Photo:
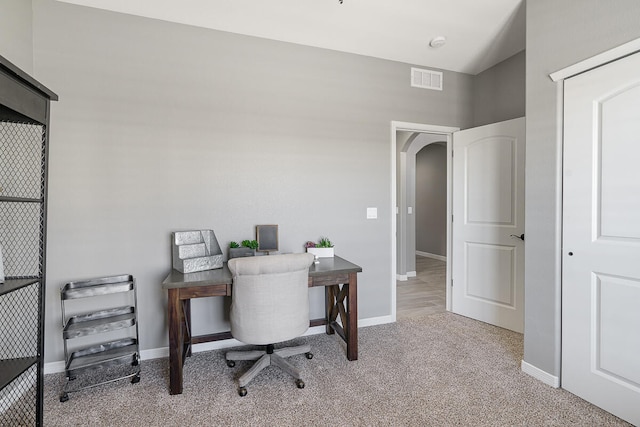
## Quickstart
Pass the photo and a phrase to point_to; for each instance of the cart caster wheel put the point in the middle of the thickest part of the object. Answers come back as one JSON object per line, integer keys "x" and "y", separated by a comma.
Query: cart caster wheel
{"x": 135, "y": 362}
{"x": 300, "y": 383}
{"x": 309, "y": 355}
{"x": 71, "y": 377}
{"x": 242, "y": 391}
{"x": 64, "y": 397}
{"x": 135, "y": 379}
{"x": 231, "y": 364}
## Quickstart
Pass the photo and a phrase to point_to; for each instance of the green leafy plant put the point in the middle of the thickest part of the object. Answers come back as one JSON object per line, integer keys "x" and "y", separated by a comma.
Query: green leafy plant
{"x": 234, "y": 245}
{"x": 251, "y": 244}
{"x": 324, "y": 242}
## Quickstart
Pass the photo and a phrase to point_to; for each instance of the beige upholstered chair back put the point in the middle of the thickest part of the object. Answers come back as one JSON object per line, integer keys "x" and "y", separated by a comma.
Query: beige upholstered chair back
{"x": 270, "y": 297}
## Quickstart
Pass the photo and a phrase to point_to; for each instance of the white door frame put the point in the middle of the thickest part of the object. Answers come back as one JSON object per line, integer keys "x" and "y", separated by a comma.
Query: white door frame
{"x": 559, "y": 77}
{"x": 600, "y": 284}
{"x": 424, "y": 128}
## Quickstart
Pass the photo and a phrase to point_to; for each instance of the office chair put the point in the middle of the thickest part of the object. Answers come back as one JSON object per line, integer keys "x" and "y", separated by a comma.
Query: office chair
{"x": 270, "y": 304}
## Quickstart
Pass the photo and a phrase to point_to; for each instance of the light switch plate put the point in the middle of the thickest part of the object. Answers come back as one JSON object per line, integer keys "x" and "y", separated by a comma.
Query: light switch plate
{"x": 372, "y": 213}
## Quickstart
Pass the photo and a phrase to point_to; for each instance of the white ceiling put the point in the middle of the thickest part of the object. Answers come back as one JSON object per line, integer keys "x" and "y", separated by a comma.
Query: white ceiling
{"x": 480, "y": 33}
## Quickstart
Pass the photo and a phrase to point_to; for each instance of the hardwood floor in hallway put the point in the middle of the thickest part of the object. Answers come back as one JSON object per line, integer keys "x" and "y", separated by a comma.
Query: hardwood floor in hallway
{"x": 424, "y": 294}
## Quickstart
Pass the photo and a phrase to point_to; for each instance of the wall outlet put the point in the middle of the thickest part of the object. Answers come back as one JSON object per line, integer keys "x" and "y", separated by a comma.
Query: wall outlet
{"x": 372, "y": 213}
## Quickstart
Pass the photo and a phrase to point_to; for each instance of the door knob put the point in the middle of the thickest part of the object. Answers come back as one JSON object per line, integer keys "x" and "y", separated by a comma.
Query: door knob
{"x": 515, "y": 236}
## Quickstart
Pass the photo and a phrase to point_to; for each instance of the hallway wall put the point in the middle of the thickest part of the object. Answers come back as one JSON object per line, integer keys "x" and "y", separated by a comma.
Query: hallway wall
{"x": 431, "y": 199}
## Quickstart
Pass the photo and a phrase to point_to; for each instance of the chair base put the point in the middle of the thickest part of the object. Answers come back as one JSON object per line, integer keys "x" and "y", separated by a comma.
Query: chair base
{"x": 266, "y": 358}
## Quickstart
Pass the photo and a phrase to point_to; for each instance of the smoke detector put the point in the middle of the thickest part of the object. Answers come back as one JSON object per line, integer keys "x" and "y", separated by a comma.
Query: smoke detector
{"x": 437, "y": 42}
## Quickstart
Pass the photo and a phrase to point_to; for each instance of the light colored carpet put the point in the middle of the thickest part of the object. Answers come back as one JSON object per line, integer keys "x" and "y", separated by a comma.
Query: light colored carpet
{"x": 439, "y": 370}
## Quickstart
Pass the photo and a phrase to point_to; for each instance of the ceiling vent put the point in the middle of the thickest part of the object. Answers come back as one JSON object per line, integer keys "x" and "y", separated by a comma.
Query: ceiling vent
{"x": 426, "y": 79}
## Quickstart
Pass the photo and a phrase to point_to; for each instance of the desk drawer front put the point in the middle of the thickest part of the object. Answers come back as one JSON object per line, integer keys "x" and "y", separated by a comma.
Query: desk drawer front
{"x": 335, "y": 279}
{"x": 203, "y": 291}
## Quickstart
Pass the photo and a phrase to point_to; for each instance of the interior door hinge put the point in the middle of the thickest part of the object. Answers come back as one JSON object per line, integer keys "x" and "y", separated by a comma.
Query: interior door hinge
{"x": 452, "y": 283}
{"x": 451, "y": 218}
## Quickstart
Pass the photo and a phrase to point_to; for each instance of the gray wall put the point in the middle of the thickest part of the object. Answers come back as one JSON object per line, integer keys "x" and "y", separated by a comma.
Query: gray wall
{"x": 431, "y": 199}
{"x": 16, "y": 40}
{"x": 164, "y": 127}
{"x": 499, "y": 92}
{"x": 559, "y": 33}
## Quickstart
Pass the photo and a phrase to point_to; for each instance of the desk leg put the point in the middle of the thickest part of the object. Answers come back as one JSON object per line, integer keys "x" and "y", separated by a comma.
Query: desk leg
{"x": 176, "y": 342}
{"x": 186, "y": 335}
{"x": 330, "y": 300}
{"x": 352, "y": 317}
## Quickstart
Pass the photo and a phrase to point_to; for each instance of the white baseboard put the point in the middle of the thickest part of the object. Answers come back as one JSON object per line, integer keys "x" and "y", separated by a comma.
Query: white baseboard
{"x": 430, "y": 255}
{"x": 539, "y": 374}
{"x": 401, "y": 277}
{"x": 156, "y": 353}
{"x": 54, "y": 367}
{"x": 373, "y": 321}
{"x": 411, "y": 274}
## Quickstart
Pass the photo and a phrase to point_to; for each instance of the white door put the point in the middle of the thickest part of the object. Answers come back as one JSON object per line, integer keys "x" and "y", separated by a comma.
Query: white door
{"x": 488, "y": 224}
{"x": 601, "y": 238}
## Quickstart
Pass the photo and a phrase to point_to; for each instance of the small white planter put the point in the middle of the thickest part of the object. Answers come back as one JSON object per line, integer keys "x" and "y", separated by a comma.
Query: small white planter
{"x": 321, "y": 252}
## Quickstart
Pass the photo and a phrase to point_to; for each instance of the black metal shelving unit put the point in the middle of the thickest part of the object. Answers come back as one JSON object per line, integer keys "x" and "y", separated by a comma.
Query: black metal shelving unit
{"x": 24, "y": 123}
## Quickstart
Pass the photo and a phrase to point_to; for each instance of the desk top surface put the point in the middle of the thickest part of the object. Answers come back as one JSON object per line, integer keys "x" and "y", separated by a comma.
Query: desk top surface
{"x": 333, "y": 265}
{"x": 222, "y": 276}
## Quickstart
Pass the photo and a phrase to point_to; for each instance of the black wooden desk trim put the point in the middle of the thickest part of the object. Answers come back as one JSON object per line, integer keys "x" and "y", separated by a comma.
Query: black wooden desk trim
{"x": 329, "y": 272}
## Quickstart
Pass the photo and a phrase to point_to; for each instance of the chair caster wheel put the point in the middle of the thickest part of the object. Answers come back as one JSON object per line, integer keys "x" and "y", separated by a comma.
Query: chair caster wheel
{"x": 309, "y": 355}
{"x": 64, "y": 397}
{"x": 231, "y": 364}
{"x": 242, "y": 391}
{"x": 300, "y": 383}
{"x": 135, "y": 379}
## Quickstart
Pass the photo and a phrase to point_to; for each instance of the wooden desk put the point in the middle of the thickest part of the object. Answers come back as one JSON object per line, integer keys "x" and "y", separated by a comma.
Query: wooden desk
{"x": 337, "y": 275}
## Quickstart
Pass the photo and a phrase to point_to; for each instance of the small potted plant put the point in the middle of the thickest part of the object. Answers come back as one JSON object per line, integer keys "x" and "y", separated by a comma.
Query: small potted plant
{"x": 321, "y": 249}
{"x": 245, "y": 248}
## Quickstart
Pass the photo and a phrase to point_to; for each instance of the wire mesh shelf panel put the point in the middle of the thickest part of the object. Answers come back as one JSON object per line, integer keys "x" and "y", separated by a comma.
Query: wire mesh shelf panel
{"x": 21, "y": 238}
{"x": 19, "y": 343}
{"x": 20, "y": 322}
{"x": 21, "y": 160}
{"x": 19, "y": 399}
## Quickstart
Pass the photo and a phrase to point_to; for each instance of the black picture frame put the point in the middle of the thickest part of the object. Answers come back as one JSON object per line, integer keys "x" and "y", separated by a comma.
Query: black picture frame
{"x": 267, "y": 237}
